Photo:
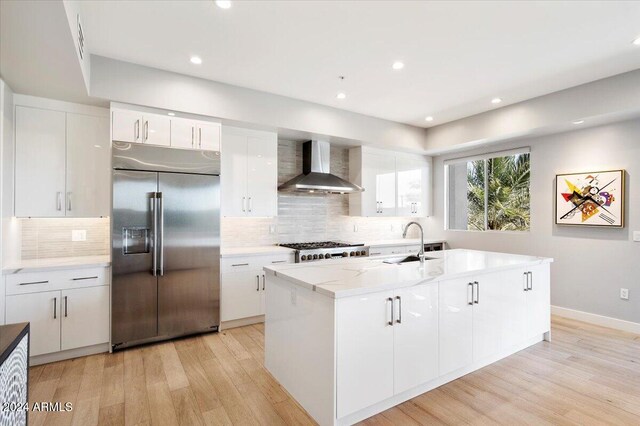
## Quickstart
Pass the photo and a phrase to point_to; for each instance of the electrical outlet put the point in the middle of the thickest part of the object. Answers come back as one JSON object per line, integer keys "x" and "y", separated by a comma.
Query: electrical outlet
{"x": 636, "y": 236}
{"x": 624, "y": 293}
{"x": 79, "y": 235}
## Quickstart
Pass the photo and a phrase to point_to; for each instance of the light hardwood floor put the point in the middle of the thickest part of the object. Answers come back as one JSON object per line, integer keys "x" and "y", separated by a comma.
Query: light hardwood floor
{"x": 586, "y": 376}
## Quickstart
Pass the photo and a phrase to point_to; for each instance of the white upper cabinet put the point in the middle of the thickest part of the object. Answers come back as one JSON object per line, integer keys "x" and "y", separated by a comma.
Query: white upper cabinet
{"x": 126, "y": 126}
{"x": 88, "y": 166}
{"x": 249, "y": 170}
{"x": 183, "y": 134}
{"x": 395, "y": 184}
{"x": 208, "y": 136}
{"x": 40, "y": 162}
{"x": 156, "y": 130}
{"x": 62, "y": 164}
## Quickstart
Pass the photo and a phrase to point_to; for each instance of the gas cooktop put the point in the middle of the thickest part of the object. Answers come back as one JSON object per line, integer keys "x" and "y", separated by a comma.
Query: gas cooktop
{"x": 326, "y": 250}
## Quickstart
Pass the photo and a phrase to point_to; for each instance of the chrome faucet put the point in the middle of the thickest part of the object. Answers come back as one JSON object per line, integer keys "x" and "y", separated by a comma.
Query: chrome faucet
{"x": 404, "y": 235}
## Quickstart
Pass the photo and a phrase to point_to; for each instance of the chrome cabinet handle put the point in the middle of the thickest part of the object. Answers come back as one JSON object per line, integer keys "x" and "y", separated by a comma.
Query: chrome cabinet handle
{"x": 85, "y": 278}
{"x": 66, "y": 307}
{"x": 146, "y": 130}
{"x": 470, "y": 302}
{"x": 249, "y": 204}
{"x": 240, "y": 264}
{"x": 399, "y": 299}
{"x": 257, "y": 282}
{"x": 59, "y": 200}
{"x": 477, "y": 284}
{"x": 55, "y": 308}
{"x": 263, "y": 281}
{"x": 69, "y": 201}
{"x": 34, "y": 282}
{"x": 530, "y": 280}
{"x": 244, "y": 204}
{"x": 154, "y": 231}
{"x": 391, "y": 302}
{"x": 161, "y": 256}
{"x": 193, "y": 131}
{"x": 525, "y": 281}
{"x": 136, "y": 128}
{"x": 200, "y": 137}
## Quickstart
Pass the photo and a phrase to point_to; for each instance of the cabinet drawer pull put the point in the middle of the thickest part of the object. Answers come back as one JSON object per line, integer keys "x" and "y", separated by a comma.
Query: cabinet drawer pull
{"x": 391, "y": 302}
{"x": 470, "y": 301}
{"x": 58, "y": 200}
{"x": 278, "y": 261}
{"x": 200, "y": 137}
{"x": 477, "y": 284}
{"x": 399, "y": 320}
{"x": 192, "y": 135}
{"x": 244, "y": 209}
{"x": 240, "y": 264}
{"x": 34, "y": 282}
{"x": 55, "y": 308}
{"x": 66, "y": 307}
{"x": 136, "y": 128}
{"x": 525, "y": 275}
{"x": 146, "y": 130}
{"x": 257, "y": 282}
{"x": 69, "y": 201}
{"x": 530, "y": 280}
{"x": 85, "y": 278}
{"x": 263, "y": 281}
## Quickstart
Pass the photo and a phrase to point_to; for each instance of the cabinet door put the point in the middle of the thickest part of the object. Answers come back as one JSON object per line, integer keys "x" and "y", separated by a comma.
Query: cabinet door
{"x": 415, "y": 336}
{"x": 412, "y": 186}
{"x": 42, "y": 310}
{"x": 234, "y": 175}
{"x": 488, "y": 315}
{"x": 85, "y": 317}
{"x": 539, "y": 301}
{"x": 365, "y": 351}
{"x": 126, "y": 126}
{"x": 262, "y": 172}
{"x": 241, "y": 295}
{"x": 382, "y": 177}
{"x": 88, "y": 166}
{"x": 514, "y": 304}
{"x": 40, "y": 162}
{"x": 156, "y": 130}
{"x": 369, "y": 202}
{"x": 455, "y": 341}
{"x": 183, "y": 133}
{"x": 209, "y": 136}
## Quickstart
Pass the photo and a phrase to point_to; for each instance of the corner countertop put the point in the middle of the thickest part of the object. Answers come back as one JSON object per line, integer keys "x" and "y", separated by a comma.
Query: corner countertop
{"x": 356, "y": 276}
{"x": 254, "y": 251}
{"x": 56, "y": 263}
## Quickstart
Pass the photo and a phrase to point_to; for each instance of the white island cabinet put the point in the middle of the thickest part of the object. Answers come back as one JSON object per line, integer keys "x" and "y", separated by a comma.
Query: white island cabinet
{"x": 351, "y": 338}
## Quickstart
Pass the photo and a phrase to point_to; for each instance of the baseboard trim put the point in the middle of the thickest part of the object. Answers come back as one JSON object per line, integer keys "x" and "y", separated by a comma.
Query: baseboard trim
{"x": 601, "y": 320}
{"x": 68, "y": 354}
{"x": 225, "y": 325}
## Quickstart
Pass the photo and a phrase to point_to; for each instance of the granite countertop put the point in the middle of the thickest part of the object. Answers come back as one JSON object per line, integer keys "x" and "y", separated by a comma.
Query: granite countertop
{"x": 355, "y": 276}
{"x": 254, "y": 251}
{"x": 56, "y": 263}
{"x": 10, "y": 336}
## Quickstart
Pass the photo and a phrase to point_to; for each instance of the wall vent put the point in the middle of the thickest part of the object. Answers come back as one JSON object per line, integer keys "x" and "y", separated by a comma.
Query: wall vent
{"x": 80, "y": 39}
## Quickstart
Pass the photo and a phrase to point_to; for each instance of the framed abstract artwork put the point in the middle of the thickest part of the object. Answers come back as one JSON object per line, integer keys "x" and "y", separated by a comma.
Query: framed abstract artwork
{"x": 590, "y": 199}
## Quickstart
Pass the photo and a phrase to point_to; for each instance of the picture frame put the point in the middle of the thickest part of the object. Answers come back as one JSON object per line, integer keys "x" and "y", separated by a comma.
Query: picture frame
{"x": 590, "y": 199}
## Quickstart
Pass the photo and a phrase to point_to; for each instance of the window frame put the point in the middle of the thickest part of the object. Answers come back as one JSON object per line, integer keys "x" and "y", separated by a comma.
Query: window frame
{"x": 484, "y": 157}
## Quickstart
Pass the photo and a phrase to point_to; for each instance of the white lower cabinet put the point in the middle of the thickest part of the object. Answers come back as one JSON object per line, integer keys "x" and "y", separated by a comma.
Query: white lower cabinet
{"x": 85, "y": 317}
{"x": 456, "y": 325}
{"x": 488, "y": 315}
{"x": 538, "y": 300}
{"x": 243, "y": 284}
{"x": 42, "y": 310}
{"x": 67, "y": 309}
{"x": 390, "y": 339}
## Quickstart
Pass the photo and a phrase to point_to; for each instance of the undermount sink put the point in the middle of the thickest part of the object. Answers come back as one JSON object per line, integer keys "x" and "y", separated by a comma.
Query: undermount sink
{"x": 405, "y": 259}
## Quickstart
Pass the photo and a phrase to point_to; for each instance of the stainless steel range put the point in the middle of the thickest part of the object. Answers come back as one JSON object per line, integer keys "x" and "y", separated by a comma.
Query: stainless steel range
{"x": 323, "y": 250}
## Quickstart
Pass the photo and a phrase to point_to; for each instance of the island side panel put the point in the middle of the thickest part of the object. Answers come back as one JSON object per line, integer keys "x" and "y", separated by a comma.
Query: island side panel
{"x": 300, "y": 345}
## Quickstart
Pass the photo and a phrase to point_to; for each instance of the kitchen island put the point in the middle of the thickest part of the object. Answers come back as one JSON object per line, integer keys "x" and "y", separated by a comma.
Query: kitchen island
{"x": 353, "y": 337}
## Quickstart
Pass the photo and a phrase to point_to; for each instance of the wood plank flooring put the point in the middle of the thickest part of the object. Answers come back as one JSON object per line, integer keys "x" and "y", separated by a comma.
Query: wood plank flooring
{"x": 588, "y": 375}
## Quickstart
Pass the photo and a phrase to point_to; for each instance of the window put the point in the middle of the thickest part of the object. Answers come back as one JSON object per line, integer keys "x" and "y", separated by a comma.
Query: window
{"x": 489, "y": 192}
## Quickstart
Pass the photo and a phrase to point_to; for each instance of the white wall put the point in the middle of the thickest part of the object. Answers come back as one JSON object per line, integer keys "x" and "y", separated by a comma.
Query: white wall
{"x": 607, "y": 100}
{"x": 591, "y": 265}
{"x": 135, "y": 84}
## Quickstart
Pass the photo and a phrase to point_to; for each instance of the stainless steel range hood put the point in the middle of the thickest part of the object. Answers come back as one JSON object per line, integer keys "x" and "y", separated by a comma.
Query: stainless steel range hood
{"x": 316, "y": 176}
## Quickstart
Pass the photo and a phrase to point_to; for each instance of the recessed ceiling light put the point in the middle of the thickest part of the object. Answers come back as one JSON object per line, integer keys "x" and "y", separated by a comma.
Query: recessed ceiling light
{"x": 578, "y": 122}
{"x": 496, "y": 100}
{"x": 196, "y": 60}
{"x": 637, "y": 41}
{"x": 429, "y": 118}
{"x": 171, "y": 113}
{"x": 223, "y": 4}
{"x": 397, "y": 65}
{"x": 341, "y": 95}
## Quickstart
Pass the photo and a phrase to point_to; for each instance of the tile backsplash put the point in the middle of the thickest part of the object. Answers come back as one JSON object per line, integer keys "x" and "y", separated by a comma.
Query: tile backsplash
{"x": 51, "y": 237}
{"x": 310, "y": 217}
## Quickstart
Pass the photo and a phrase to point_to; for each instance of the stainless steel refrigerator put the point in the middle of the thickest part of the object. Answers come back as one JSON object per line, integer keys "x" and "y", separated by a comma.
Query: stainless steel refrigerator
{"x": 165, "y": 243}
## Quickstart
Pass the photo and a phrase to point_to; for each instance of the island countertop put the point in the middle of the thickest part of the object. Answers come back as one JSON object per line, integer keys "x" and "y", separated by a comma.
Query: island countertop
{"x": 351, "y": 277}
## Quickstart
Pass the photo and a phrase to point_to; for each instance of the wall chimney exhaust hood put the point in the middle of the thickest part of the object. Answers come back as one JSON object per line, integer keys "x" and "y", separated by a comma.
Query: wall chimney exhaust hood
{"x": 315, "y": 175}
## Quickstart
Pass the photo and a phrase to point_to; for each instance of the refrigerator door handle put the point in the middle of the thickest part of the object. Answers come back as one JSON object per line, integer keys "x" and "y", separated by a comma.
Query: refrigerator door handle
{"x": 154, "y": 232}
{"x": 161, "y": 247}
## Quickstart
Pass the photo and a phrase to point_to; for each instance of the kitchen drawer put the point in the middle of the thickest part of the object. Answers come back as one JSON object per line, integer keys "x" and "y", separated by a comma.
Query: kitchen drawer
{"x": 386, "y": 251}
{"x": 33, "y": 282}
{"x": 250, "y": 263}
